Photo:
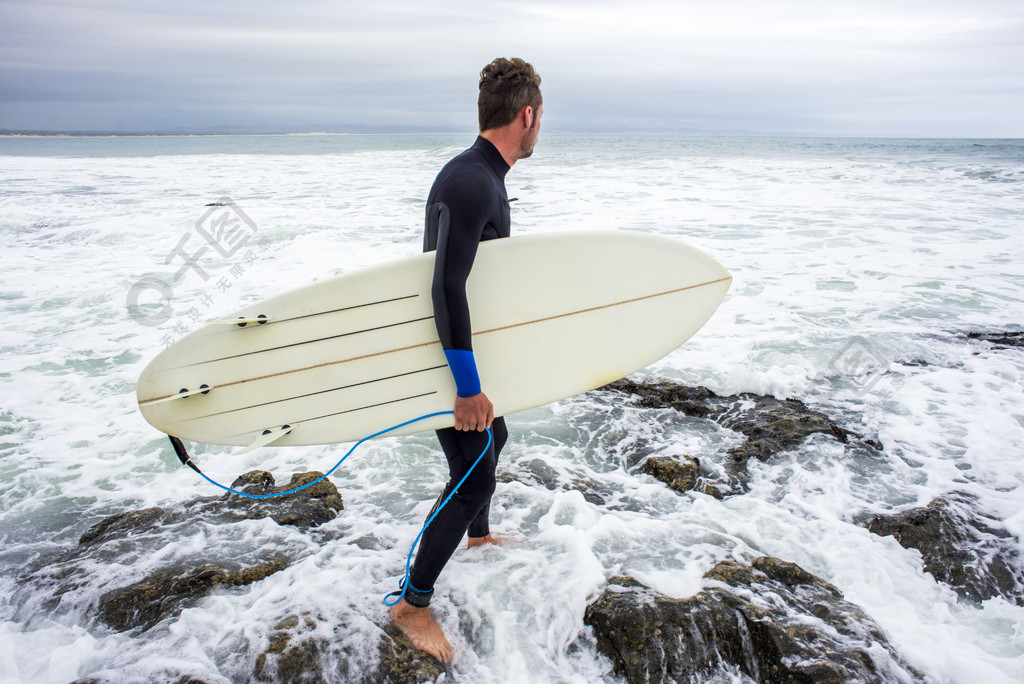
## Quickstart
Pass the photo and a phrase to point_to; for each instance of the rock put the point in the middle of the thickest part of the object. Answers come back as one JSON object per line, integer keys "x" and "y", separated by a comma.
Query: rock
{"x": 537, "y": 473}
{"x": 163, "y": 677}
{"x": 770, "y": 425}
{"x": 771, "y": 620}
{"x": 300, "y": 651}
{"x": 402, "y": 663}
{"x": 533, "y": 473}
{"x": 162, "y": 594}
{"x": 1004, "y": 340}
{"x": 120, "y": 524}
{"x": 291, "y": 658}
{"x": 976, "y": 557}
{"x": 680, "y": 475}
{"x": 310, "y": 507}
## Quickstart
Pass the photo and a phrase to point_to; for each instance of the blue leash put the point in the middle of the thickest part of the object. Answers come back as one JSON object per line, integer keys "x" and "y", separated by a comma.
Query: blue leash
{"x": 183, "y": 456}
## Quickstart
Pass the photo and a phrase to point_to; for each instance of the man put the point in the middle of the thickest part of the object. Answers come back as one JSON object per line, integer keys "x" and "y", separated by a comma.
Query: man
{"x": 468, "y": 203}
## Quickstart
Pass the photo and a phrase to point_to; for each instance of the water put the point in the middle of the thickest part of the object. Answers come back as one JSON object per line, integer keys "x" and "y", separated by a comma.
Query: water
{"x": 858, "y": 265}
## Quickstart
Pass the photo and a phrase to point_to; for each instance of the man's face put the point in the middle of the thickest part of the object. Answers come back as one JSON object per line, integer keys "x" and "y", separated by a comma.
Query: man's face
{"x": 530, "y": 139}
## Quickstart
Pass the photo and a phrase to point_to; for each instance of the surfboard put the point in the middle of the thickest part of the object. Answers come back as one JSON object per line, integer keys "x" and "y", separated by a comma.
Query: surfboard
{"x": 553, "y": 314}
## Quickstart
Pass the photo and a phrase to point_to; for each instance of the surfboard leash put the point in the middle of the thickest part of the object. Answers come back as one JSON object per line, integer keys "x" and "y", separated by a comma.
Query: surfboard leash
{"x": 182, "y": 453}
{"x": 186, "y": 459}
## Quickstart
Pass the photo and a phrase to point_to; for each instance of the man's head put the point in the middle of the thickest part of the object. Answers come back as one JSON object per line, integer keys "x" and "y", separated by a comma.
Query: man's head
{"x": 510, "y": 94}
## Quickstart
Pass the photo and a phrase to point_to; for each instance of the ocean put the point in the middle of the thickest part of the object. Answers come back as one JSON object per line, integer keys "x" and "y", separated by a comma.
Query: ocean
{"x": 860, "y": 269}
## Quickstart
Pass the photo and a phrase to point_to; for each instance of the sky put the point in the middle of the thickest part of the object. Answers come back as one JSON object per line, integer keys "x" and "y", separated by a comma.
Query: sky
{"x": 931, "y": 68}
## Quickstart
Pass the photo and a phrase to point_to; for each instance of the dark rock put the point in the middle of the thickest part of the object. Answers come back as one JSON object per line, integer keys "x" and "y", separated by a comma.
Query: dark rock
{"x": 290, "y": 657}
{"x": 771, "y": 620}
{"x": 770, "y": 425}
{"x": 976, "y": 557}
{"x": 256, "y": 482}
{"x": 161, "y": 677}
{"x": 403, "y": 663}
{"x": 680, "y": 475}
{"x": 533, "y": 473}
{"x": 310, "y": 507}
{"x": 162, "y": 594}
{"x": 1003, "y": 340}
{"x": 299, "y": 651}
{"x": 120, "y": 524}
{"x": 537, "y": 473}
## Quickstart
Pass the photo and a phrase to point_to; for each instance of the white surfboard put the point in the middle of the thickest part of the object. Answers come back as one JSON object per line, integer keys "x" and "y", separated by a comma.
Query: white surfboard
{"x": 553, "y": 315}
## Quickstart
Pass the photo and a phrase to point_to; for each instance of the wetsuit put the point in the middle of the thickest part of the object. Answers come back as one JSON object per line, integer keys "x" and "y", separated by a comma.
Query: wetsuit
{"x": 467, "y": 203}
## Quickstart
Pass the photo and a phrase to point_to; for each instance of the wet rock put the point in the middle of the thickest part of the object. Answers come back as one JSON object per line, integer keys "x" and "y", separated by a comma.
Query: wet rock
{"x": 533, "y": 473}
{"x": 537, "y": 473}
{"x": 301, "y": 650}
{"x": 290, "y": 657}
{"x": 999, "y": 340}
{"x": 593, "y": 492}
{"x": 680, "y": 475}
{"x": 771, "y": 620}
{"x": 402, "y": 663}
{"x": 121, "y": 524}
{"x": 310, "y": 507}
{"x": 157, "y": 677}
{"x": 770, "y": 425}
{"x": 162, "y": 594}
{"x": 975, "y": 556}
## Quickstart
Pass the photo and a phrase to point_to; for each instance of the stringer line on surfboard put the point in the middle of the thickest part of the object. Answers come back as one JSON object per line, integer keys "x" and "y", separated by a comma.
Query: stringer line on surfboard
{"x": 603, "y": 306}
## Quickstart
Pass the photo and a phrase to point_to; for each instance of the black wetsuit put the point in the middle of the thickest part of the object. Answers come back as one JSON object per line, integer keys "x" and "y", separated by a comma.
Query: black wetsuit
{"x": 467, "y": 204}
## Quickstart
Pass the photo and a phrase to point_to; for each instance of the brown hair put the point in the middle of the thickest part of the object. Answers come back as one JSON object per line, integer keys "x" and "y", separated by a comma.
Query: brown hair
{"x": 506, "y": 86}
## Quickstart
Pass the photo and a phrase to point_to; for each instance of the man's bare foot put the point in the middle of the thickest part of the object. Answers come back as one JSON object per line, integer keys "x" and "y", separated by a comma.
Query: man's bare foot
{"x": 421, "y": 628}
{"x": 489, "y": 539}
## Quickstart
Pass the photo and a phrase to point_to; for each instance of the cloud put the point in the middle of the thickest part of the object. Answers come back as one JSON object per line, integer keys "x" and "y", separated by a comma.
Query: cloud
{"x": 870, "y": 67}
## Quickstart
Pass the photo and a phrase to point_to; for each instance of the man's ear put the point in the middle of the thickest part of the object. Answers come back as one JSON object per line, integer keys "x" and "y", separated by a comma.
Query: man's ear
{"x": 527, "y": 116}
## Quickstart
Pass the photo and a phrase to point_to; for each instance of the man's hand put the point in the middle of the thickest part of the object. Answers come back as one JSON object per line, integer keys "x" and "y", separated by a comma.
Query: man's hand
{"x": 473, "y": 413}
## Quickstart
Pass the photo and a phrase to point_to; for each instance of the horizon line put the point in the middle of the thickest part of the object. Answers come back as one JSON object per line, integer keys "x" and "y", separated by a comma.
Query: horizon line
{"x": 399, "y": 130}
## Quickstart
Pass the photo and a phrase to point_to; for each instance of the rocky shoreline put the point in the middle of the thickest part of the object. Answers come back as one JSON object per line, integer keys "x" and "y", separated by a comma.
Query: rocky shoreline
{"x": 297, "y": 650}
{"x": 769, "y": 620}
{"x": 763, "y": 617}
{"x": 769, "y": 426}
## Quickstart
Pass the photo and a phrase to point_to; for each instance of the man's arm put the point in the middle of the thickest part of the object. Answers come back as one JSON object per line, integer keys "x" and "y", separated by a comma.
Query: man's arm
{"x": 460, "y": 221}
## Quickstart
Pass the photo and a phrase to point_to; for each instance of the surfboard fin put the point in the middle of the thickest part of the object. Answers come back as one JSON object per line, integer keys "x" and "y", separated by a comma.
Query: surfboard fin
{"x": 183, "y": 393}
{"x": 266, "y": 437}
{"x": 242, "y": 321}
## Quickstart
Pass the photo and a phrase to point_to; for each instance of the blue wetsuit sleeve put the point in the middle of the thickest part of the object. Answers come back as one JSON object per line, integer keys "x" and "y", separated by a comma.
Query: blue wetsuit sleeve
{"x": 463, "y": 366}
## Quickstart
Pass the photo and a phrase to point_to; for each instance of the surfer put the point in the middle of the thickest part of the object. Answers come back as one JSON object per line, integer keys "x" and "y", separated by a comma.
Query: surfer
{"x": 468, "y": 203}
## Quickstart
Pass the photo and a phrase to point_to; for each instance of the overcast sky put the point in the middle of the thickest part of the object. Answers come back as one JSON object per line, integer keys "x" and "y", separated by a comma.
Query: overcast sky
{"x": 830, "y": 67}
